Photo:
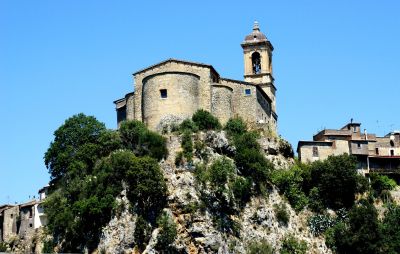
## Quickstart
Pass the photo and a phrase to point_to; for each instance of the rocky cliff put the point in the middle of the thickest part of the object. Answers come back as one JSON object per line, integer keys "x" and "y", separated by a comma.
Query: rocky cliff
{"x": 196, "y": 227}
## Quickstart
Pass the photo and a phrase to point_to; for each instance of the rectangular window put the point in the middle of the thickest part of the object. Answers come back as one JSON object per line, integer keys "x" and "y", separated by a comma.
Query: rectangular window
{"x": 315, "y": 151}
{"x": 358, "y": 145}
{"x": 163, "y": 93}
{"x": 391, "y": 152}
{"x": 354, "y": 129}
{"x": 377, "y": 151}
{"x": 247, "y": 91}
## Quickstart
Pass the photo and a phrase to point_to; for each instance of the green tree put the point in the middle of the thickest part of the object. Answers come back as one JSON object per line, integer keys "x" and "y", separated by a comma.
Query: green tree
{"x": 336, "y": 180}
{"x": 146, "y": 187}
{"x": 391, "y": 230}
{"x": 77, "y": 145}
{"x": 361, "y": 234}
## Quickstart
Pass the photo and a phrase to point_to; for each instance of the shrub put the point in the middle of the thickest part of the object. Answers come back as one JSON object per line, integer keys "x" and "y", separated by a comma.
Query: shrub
{"x": 187, "y": 145}
{"x": 200, "y": 150}
{"x": 3, "y": 247}
{"x": 142, "y": 232}
{"x": 167, "y": 233}
{"x": 315, "y": 203}
{"x": 381, "y": 183}
{"x": 260, "y": 247}
{"x": 235, "y": 126}
{"x": 291, "y": 245}
{"x": 136, "y": 137}
{"x": 220, "y": 171}
{"x": 281, "y": 214}
{"x": 179, "y": 159}
{"x": 241, "y": 189}
{"x": 205, "y": 121}
{"x": 188, "y": 125}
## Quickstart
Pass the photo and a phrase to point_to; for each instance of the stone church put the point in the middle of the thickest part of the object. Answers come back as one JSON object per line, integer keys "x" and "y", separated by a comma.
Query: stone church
{"x": 173, "y": 90}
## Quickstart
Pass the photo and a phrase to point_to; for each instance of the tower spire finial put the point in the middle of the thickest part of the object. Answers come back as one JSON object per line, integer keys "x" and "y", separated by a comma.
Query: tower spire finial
{"x": 256, "y": 27}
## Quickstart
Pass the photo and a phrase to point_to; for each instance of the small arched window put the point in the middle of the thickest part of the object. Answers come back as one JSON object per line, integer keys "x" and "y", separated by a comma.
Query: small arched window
{"x": 256, "y": 62}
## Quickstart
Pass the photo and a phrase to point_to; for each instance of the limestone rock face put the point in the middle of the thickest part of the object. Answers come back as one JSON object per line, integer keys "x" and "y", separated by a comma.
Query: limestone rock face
{"x": 118, "y": 234}
{"x": 196, "y": 227}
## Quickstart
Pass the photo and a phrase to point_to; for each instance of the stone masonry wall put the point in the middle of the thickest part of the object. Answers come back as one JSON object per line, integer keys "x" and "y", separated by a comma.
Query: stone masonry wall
{"x": 221, "y": 103}
{"x": 182, "y": 97}
{"x": 204, "y": 91}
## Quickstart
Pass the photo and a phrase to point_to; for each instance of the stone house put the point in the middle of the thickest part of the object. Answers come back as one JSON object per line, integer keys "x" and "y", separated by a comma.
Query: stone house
{"x": 173, "y": 90}
{"x": 374, "y": 154}
{"x": 21, "y": 221}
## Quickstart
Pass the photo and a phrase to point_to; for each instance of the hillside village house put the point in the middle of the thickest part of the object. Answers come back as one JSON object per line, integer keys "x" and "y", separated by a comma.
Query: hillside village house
{"x": 21, "y": 220}
{"x": 374, "y": 154}
{"x": 173, "y": 90}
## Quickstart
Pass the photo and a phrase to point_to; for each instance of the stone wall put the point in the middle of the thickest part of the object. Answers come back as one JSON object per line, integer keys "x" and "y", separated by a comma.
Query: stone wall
{"x": 182, "y": 96}
{"x": 10, "y": 223}
{"x": 26, "y": 228}
{"x": 221, "y": 102}
{"x": 204, "y": 88}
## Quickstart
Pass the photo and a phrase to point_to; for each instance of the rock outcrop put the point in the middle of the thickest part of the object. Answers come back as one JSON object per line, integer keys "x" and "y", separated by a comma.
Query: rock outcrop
{"x": 196, "y": 229}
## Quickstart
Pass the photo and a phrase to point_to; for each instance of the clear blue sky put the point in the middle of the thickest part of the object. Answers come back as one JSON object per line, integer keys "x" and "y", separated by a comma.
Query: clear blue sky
{"x": 333, "y": 60}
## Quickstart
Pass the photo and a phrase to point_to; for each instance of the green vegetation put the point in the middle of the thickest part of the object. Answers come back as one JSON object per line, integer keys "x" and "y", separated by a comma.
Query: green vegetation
{"x": 3, "y": 247}
{"x": 282, "y": 214}
{"x": 235, "y": 126}
{"x": 381, "y": 184}
{"x": 292, "y": 245}
{"x": 167, "y": 233}
{"x": 136, "y": 137}
{"x": 205, "y": 120}
{"x": 332, "y": 183}
{"x": 87, "y": 167}
{"x": 188, "y": 125}
{"x": 260, "y": 247}
{"x": 187, "y": 145}
{"x": 251, "y": 162}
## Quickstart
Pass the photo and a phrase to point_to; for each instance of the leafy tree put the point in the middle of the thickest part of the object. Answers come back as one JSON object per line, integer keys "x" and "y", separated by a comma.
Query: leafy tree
{"x": 360, "y": 234}
{"x": 77, "y": 145}
{"x": 205, "y": 120}
{"x": 391, "y": 230}
{"x": 146, "y": 187}
{"x": 336, "y": 180}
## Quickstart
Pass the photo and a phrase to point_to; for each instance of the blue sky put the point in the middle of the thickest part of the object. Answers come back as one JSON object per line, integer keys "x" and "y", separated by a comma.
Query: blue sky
{"x": 333, "y": 60}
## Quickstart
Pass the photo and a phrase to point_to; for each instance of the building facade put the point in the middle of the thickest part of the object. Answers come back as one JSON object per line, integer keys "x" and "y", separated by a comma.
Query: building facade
{"x": 22, "y": 220}
{"x": 174, "y": 90}
{"x": 376, "y": 154}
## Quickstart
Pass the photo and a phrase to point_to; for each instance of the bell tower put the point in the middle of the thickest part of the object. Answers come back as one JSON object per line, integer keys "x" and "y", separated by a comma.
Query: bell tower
{"x": 257, "y": 52}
